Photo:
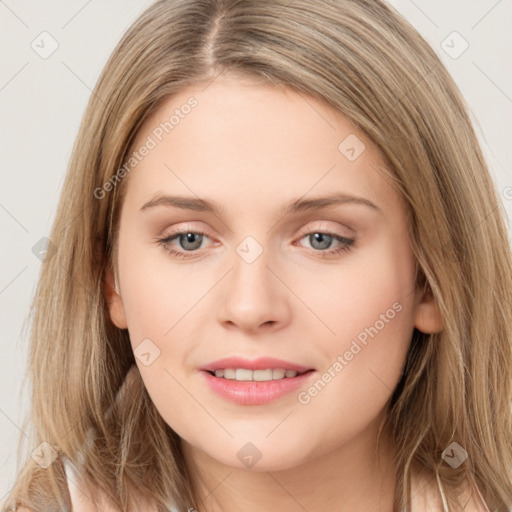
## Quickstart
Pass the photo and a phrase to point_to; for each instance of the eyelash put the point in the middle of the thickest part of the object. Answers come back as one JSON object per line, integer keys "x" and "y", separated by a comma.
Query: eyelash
{"x": 348, "y": 243}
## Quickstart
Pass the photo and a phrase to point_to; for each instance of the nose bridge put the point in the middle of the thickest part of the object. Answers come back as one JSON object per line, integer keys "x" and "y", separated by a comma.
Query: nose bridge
{"x": 252, "y": 296}
{"x": 251, "y": 275}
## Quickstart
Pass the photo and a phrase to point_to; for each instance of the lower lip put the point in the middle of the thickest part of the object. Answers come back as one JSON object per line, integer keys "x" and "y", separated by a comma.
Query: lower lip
{"x": 255, "y": 392}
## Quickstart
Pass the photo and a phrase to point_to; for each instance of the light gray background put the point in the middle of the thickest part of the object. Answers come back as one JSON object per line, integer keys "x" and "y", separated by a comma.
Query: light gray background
{"x": 42, "y": 102}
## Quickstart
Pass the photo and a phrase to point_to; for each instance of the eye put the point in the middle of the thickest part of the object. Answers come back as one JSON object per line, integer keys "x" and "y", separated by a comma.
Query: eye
{"x": 321, "y": 240}
{"x": 189, "y": 241}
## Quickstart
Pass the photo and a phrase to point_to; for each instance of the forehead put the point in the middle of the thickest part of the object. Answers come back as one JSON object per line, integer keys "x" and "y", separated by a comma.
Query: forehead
{"x": 236, "y": 139}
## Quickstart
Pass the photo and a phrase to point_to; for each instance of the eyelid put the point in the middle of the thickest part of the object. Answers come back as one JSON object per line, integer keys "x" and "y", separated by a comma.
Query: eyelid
{"x": 185, "y": 227}
{"x": 320, "y": 226}
{"x": 305, "y": 230}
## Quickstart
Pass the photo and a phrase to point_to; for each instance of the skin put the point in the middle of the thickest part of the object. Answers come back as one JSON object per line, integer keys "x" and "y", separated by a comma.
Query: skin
{"x": 254, "y": 148}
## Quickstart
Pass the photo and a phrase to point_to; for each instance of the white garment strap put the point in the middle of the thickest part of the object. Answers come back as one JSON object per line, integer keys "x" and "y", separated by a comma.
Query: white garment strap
{"x": 443, "y": 497}
{"x": 81, "y": 499}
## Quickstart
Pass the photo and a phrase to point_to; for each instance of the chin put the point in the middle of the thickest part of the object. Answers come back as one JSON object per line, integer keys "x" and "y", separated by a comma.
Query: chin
{"x": 258, "y": 458}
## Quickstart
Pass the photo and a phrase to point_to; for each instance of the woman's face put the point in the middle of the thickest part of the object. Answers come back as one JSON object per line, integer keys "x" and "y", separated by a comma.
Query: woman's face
{"x": 304, "y": 257}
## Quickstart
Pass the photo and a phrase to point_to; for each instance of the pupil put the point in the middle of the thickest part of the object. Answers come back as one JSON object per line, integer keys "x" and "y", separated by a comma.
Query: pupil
{"x": 323, "y": 239}
{"x": 189, "y": 238}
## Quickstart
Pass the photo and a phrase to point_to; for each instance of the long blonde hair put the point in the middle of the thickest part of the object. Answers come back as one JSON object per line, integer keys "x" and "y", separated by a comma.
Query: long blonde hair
{"x": 364, "y": 60}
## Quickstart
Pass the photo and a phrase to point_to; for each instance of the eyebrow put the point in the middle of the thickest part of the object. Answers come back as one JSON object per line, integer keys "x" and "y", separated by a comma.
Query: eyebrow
{"x": 295, "y": 206}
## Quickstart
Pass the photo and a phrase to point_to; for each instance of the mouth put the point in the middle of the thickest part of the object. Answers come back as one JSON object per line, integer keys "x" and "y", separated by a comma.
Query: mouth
{"x": 248, "y": 375}
{"x": 255, "y": 382}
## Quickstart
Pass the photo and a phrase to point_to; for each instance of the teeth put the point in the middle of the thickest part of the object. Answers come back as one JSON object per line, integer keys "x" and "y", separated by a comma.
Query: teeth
{"x": 243, "y": 374}
{"x": 229, "y": 373}
{"x": 278, "y": 373}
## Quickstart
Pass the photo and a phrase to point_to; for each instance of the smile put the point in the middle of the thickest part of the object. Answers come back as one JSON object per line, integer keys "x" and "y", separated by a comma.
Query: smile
{"x": 244, "y": 374}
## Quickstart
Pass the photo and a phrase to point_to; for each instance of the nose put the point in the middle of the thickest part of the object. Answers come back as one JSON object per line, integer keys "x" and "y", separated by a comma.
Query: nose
{"x": 253, "y": 298}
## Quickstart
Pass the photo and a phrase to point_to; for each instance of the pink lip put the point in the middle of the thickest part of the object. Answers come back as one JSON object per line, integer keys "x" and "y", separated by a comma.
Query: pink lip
{"x": 262, "y": 363}
{"x": 254, "y": 392}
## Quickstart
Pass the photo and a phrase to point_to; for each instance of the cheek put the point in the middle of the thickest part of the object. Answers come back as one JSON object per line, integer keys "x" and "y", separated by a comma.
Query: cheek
{"x": 370, "y": 308}
{"x": 353, "y": 296}
{"x": 161, "y": 306}
{"x": 369, "y": 305}
{"x": 157, "y": 294}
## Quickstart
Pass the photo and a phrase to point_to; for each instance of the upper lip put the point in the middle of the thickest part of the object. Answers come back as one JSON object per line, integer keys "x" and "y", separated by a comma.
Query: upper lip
{"x": 262, "y": 363}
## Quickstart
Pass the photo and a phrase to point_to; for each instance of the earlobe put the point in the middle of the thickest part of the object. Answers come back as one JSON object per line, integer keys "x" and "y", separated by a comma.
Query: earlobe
{"x": 114, "y": 301}
{"x": 428, "y": 318}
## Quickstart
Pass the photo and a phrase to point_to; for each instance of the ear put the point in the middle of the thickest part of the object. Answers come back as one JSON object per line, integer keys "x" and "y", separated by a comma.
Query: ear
{"x": 114, "y": 301}
{"x": 427, "y": 316}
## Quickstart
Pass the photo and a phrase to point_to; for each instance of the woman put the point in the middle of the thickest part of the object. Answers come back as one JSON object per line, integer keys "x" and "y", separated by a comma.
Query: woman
{"x": 338, "y": 333}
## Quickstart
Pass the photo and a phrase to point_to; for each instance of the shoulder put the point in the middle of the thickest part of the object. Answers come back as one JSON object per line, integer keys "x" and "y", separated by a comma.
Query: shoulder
{"x": 471, "y": 499}
{"x": 425, "y": 496}
{"x": 428, "y": 495}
